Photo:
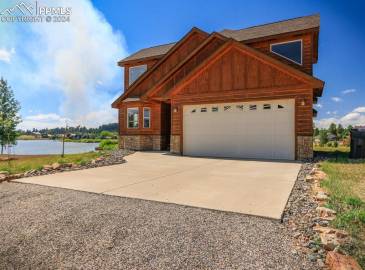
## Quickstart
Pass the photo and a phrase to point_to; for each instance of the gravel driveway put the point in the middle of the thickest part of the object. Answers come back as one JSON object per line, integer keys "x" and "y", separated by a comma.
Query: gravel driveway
{"x": 44, "y": 227}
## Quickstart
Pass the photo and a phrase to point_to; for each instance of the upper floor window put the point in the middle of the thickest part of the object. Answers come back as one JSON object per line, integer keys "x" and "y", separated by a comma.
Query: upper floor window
{"x": 146, "y": 117}
{"x": 132, "y": 117}
{"x": 135, "y": 72}
{"x": 291, "y": 50}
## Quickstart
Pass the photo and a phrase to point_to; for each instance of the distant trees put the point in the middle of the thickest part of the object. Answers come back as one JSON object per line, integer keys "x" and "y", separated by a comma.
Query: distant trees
{"x": 9, "y": 118}
{"x": 333, "y": 135}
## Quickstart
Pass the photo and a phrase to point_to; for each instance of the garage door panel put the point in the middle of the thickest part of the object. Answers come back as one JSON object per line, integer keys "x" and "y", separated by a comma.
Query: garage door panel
{"x": 240, "y": 130}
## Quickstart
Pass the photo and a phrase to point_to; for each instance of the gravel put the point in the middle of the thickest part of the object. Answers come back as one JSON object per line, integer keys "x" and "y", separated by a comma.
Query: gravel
{"x": 44, "y": 227}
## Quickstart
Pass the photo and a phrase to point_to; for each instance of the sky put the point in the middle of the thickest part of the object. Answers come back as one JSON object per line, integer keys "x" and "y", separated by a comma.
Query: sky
{"x": 67, "y": 72}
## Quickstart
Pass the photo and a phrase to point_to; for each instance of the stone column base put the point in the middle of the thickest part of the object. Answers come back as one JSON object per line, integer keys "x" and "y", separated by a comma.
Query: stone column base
{"x": 304, "y": 147}
{"x": 142, "y": 142}
{"x": 175, "y": 144}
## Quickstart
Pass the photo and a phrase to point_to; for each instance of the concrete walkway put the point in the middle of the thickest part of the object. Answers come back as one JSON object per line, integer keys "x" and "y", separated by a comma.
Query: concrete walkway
{"x": 245, "y": 186}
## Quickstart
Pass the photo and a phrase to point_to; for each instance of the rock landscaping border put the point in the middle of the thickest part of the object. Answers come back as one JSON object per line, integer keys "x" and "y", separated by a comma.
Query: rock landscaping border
{"x": 309, "y": 221}
{"x": 111, "y": 158}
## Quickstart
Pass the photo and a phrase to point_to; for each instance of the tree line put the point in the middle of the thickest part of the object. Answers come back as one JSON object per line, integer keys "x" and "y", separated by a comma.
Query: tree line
{"x": 333, "y": 135}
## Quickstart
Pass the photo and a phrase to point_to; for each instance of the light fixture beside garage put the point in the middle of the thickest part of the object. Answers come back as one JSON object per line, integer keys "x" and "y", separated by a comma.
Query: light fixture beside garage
{"x": 176, "y": 110}
{"x": 302, "y": 102}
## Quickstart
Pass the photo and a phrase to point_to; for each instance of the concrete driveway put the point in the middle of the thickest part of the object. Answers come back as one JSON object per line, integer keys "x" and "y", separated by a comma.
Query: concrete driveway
{"x": 245, "y": 186}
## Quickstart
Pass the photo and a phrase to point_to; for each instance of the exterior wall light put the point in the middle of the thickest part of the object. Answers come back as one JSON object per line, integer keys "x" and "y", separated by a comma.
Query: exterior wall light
{"x": 175, "y": 110}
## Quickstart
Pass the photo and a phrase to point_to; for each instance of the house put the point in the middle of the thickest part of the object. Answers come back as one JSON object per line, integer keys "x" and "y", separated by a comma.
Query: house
{"x": 245, "y": 93}
{"x": 357, "y": 145}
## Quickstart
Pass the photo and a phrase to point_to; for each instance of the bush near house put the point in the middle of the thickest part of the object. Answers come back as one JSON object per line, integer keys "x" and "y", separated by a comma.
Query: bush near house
{"x": 346, "y": 185}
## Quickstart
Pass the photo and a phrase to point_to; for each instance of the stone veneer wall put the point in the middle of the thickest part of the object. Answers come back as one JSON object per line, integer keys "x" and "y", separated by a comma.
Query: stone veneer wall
{"x": 175, "y": 144}
{"x": 142, "y": 142}
{"x": 304, "y": 147}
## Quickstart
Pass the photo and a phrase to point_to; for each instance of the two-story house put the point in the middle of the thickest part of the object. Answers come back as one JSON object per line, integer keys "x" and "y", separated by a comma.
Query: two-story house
{"x": 245, "y": 93}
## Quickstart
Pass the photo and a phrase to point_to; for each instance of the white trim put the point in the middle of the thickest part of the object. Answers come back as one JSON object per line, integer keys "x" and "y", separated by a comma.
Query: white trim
{"x": 131, "y": 99}
{"x": 149, "y": 118}
{"x": 132, "y": 108}
{"x": 285, "y": 42}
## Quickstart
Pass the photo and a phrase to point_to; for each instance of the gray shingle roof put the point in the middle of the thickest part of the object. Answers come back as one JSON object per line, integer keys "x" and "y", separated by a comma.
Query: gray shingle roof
{"x": 265, "y": 30}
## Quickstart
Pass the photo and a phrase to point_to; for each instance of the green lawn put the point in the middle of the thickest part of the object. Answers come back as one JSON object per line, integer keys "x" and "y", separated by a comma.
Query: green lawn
{"x": 346, "y": 185}
{"x": 24, "y": 163}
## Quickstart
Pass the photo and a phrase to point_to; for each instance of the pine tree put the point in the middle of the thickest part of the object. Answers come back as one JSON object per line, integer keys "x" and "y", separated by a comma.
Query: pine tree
{"x": 9, "y": 118}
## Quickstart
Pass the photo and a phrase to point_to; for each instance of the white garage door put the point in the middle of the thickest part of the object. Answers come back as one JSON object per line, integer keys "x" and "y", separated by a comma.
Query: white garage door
{"x": 262, "y": 130}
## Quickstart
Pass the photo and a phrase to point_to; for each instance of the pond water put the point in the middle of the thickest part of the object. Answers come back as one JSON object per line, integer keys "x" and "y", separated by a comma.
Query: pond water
{"x": 49, "y": 147}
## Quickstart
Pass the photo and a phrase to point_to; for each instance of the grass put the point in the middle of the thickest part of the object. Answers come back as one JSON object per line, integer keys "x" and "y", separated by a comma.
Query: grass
{"x": 26, "y": 163}
{"x": 346, "y": 185}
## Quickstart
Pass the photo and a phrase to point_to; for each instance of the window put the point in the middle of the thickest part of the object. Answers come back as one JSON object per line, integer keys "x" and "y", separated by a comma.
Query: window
{"x": 132, "y": 119}
{"x": 226, "y": 108}
{"x": 239, "y": 107}
{"x": 203, "y": 110}
{"x": 291, "y": 50}
{"x": 135, "y": 72}
{"x": 252, "y": 107}
{"x": 267, "y": 106}
{"x": 146, "y": 117}
{"x": 280, "y": 106}
{"x": 193, "y": 111}
{"x": 215, "y": 109}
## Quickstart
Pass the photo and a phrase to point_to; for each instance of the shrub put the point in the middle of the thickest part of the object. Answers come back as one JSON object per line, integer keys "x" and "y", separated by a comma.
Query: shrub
{"x": 335, "y": 144}
{"x": 108, "y": 145}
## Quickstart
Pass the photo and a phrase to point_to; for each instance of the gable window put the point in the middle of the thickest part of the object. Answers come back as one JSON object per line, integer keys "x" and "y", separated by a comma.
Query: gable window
{"x": 203, "y": 110}
{"x": 267, "y": 106}
{"x": 291, "y": 50}
{"x": 132, "y": 117}
{"x": 146, "y": 117}
{"x": 135, "y": 72}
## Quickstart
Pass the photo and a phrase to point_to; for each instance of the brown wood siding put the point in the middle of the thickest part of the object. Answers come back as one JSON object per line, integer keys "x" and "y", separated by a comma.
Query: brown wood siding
{"x": 189, "y": 45}
{"x": 248, "y": 79}
{"x": 192, "y": 63}
{"x": 307, "y": 41}
{"x": 149, "y": 64}
{"x": 156, "y": 115}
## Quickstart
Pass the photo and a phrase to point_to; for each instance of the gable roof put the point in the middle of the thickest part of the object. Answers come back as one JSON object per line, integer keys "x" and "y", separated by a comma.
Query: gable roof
{"x": 314, "y": 82}
{"x": 175, "y": 46}
{"x": 261, "y": 31}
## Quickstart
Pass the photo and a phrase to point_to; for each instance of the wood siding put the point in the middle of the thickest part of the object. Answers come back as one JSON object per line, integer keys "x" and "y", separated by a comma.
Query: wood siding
{"x": 160, "y": 118}
{"x": 203, "y": 54}
{"x": 236, "y": 76}
{"x": 150, "y": 63}
{"x": 307, "y": 43}
{"x": 186, "y": 47}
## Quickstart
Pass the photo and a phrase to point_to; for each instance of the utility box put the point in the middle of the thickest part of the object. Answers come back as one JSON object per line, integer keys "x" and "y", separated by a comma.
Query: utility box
{"x": 357, "y": 149}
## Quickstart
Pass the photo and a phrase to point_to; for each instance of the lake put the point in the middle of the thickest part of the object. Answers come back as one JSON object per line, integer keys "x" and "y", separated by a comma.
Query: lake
{"x": 49, "y": 147}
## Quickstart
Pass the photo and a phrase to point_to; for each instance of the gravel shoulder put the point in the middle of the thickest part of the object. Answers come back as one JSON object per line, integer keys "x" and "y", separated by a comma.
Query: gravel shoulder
{"x": 44, "y": 227}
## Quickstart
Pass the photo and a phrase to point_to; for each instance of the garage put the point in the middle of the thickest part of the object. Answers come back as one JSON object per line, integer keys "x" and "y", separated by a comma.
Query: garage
{"x": 257, "y": 129}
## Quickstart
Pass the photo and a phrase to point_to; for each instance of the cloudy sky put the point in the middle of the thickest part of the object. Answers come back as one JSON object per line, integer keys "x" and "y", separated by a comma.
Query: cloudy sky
{"x": 67, "y": 71}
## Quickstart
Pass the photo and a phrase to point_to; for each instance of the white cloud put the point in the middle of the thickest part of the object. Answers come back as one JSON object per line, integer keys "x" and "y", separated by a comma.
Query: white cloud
{"x": 6, "y": 55}
{"x": 360, "y": 110}
{"x": 74, "y": 60}
{"x": 319, "y": 105}
{"x": 40, "y": 121}
{"x": 336, "y": 99}
{"x": 348, "y": 91}
{"x": 354, "y": 118}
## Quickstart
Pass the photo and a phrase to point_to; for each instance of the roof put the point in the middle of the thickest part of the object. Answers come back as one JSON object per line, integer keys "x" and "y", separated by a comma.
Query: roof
{"x": 265, "y": 30}
{"x": 276, "y": 28}
{"x": 149, "y": 52}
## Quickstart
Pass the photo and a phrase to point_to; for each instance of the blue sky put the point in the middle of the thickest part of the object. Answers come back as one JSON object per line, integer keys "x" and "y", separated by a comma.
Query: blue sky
{"x": 51, "y": 92}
